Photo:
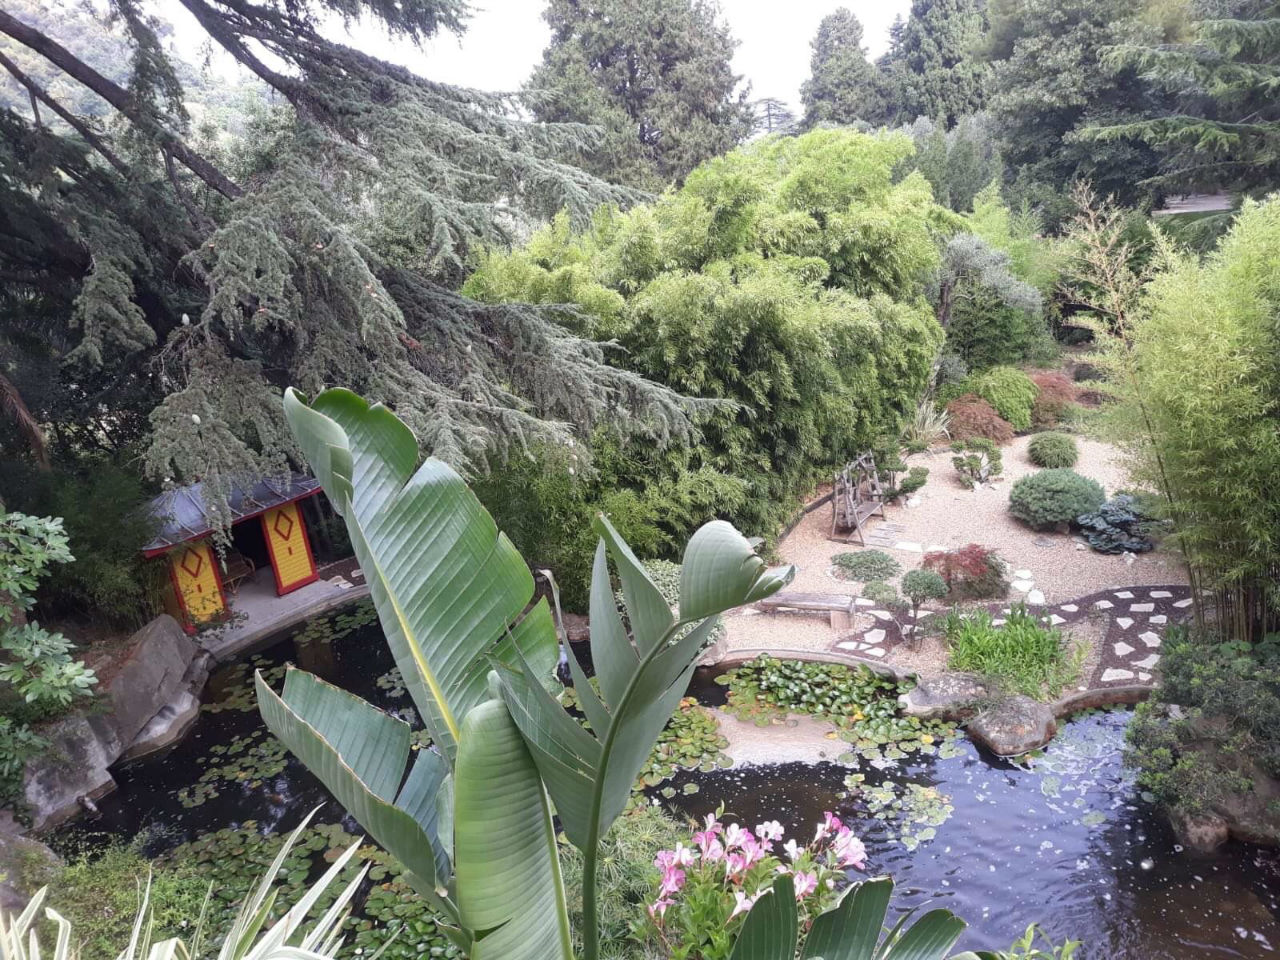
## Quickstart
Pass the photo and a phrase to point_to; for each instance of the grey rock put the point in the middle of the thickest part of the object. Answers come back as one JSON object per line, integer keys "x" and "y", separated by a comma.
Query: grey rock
{"x": 1202, "y": 833}
{"x": 948, "y": 696}
{"x": 74, "y": 765}
{"x": 25, "y": 864}
{"x": 166, "y": 728}
{"x": 1014, "y": 726}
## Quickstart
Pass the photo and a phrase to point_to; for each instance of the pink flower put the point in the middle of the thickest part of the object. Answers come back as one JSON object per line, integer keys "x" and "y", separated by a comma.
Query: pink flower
{"x": 734, "y": 864}
{"x": 751, "y": 850}
{"x": 658, "y": 908}
{"x": 744, "y": 903}
{"x": 712, "y": 824}
{"x": 769, "y": 830}
{"x": 848, "y": 849}
{"x": 734, "y": 836}
{"x": 712, "y": 852}
{"x": 806, "y": 883}
{"x": 830, "y": 825}
{"x": 793, "y": 850}
{"x": 681, "y": 856}
{"x": 672, "y": 881}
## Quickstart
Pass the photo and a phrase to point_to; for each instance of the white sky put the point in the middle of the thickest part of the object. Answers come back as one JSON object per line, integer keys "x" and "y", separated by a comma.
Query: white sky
{"x": 505, "y": 39}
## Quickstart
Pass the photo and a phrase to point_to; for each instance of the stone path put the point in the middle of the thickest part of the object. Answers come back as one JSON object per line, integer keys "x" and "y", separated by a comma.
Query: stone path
{"x": 1137, "y": 620}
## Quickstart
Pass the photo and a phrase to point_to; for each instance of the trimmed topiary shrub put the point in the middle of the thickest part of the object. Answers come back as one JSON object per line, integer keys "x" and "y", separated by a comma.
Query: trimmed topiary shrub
{"x": 877, "y": 591}
{"x": 921, "y": 585}
{"x": 1050, "y": 497}
{"x": 971, "y": 416}
{"x": 1053, "y": 450}
{"x": 866, "y": 565}
{"x": 971, "y": 572}
{"x": 976, "y": 461}
{"x": 1056, "y": 393}
{"x": 915, "y": 479}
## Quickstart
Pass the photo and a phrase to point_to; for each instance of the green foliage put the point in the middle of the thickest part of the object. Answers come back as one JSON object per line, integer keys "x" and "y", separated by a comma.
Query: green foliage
{"x": 655, "y": 130}
{"x": 1050, "y": 497}
{"x": 866, "y": 565}
{"x": 1121, "y": 525}
{"x": 971, "y": 572}
{"x": 1035, "y": 944}
{"x": 920, "y": 586}
{"x": 933, "y": 70}
{"x": 1010, "y": 392}
{"x": 691, "y": 740}
{"x": 1022, "y": 654}
{"x": 1211, "y": 753}
{"x": 843, "y": 86}
{"x": 880, "y": 592}
{"x": 911, "y": 812}
{"x": 916, "y": 478}
{"x": 958, "y": 162}
{"x": 928, "y": 426}
{"x": 1053, "y": 450}
{"x": 976, "y": 460}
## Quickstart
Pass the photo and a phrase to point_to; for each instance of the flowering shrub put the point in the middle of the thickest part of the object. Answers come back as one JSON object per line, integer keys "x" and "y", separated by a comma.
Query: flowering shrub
{"x": 971, "y": 572}
{"x": 705, "y": 890}
{"x": 971, "y": 416}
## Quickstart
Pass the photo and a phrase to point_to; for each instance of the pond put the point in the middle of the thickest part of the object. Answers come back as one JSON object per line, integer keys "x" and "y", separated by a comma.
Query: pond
{"x": 1063, "y": 839}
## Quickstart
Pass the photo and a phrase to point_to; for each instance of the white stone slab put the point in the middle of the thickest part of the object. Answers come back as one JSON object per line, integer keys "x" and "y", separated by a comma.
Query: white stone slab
{"x": 1158, "y": 618}
{"x": 1146, "y": 663}
{"x": 1183, "y": 604}
{"x": 1150, "y": 639}
{"x": 1111, "y": 673}
{"x": 882, "y": 614}
{"x": 849, "y": 645}
{"x": 998, "y": 623}
{"x": 1069, "y": 608}
{"x": 908, "y": 546}
{"x": 1035, "y": 597}
{"x": 1123, "y": 649}
{"x": 1124, "y": 622}
{"x": 1022, "y": 586}
{"x": 873, "y": 636}
{"x": 1161, "y": 593}
{"x": 876, "y": 652}
{"x": 1141, "y": 607}
{"x": 1023, "y": 574}
{"x": 1055, "y": 619}
{"x": 1124, "y": 595}
{"x": 1144, "y": 676}
{"x": 1103, "y": 605}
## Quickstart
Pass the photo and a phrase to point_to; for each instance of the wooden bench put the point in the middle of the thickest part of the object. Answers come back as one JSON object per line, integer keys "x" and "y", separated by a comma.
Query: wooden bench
{"x": 236, "y": 567}
{"x": 840, "y": 606}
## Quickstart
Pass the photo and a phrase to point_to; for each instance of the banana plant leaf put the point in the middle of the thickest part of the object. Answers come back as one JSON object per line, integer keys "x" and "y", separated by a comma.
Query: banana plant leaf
{"x": 852, "y": 930}
{"x": 642, "y": 677}
{"x": 451, "y": 590}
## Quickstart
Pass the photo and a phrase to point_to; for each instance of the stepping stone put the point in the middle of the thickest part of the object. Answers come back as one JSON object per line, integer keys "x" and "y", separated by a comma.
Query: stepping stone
{"x": 1183, "y": 604}
{"x": 1042, "y": 542}
{"x": 873, "y": 636}
{"x": 1146, "y": 663}
{"x": 882, "y": 614}
{"x": 357, "y": 573}
{"x": 1158, "y": 618}
{"x": 864, "y": 602}
{"x": 998, "y": 623}
{"x": 1035, "y": 598}
{"x": 1068, "y": 608}
{"x": 937, "y": 548}
{"x": 1112, "y": 674}
{"x": 1150, "y": 639}
{"x": 1124, "y": 623}
{"x": 1161, "y": 593}
{"x": 749, "y": 612}
{"x": 1054, "y": 619}
{"x": 1144, "y": 676}
{"x": 924, "y": 613}
{"x": 909, "y": 547}
{"x": 1123, "y": 649}
{"x": 1022, "y": 586}
{"x": 1023, "y": 575}
{"x": 1007, "y": 610}
{"x": 876, "y": 652}
{"x": 848, "y": 645}
{"x": 1103, "y": 605}
{"x": 1124, "y": 595}
{"x": 1141, "y": 607}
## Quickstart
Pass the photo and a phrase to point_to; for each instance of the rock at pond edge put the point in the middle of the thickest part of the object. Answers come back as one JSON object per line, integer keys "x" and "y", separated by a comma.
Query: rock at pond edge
{"x": 1014, "y": 726}
{"x": 948, "y": 696}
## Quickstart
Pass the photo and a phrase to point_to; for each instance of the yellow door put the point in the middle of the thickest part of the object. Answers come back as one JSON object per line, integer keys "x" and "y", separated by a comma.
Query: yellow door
{"x": 290, "y": 550}
{"x": 196, "y": 581}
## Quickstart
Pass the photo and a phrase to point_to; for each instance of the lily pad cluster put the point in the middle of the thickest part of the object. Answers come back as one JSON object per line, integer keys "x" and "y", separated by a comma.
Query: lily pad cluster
{"x": 392, "y": 683}
{"x": 862, "y": 704}
{"x": 911, "y": 812}
{"x": 328, "y": 629}
{"x": 247, "y": 760}
{"x": 237, "y": 685}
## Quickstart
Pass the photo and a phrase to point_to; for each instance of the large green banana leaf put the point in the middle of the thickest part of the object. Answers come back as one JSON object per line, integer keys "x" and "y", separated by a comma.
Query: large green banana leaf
{"x": 450, "y": 590}
{"x": 642, "y": 677}
{"x": 852, "y": 930}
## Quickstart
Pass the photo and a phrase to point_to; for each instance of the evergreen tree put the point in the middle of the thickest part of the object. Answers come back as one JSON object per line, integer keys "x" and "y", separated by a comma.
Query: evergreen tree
{"x": 1224, "y": 130}
{"x": 773, "y": 116}
{"x": 161, "y": 287}
{"x": 654, "y": 76}
{"x": 843, "y": 85}
{"x": 934, "y": 68}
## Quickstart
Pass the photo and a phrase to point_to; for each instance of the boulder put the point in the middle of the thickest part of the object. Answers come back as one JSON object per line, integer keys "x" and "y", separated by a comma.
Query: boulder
{"x": 166, "y": 728}
{"x": 1200, "y": 833}
{"x": 150, "y": 674}
{"x": 25, "y": 865}
{"x": 74, "y": 765}
{"x": 1014, "y": 726}
{"x": 948, "y": 696}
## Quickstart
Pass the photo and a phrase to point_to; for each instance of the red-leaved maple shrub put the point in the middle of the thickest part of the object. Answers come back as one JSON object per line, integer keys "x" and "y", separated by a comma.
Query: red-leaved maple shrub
{"x": 1057, "y": 392}
{"x": 971, "y": 572}
{"x": 971, "y": 416}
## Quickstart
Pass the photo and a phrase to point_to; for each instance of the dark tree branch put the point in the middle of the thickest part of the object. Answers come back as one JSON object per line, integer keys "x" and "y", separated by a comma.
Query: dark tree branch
{"x": 39, "y": 95}
{"x": 198, "y": 217}
{"x": 216, "y": 26}
{"x": 119, "y": 98}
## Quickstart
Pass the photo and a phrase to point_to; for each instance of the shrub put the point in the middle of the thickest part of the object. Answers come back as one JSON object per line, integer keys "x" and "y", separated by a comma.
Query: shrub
{"x": 1010, "y": 391}
{"x": 976, "y": 461}
{"x": 971, "y": 416}
{"x": 1022, "y": 654}
{"x": 1053, "y": 450}
{"x": 1051, "y": 497}
{"x": 971, "y": 572}
{"x": 928, "y": 426}
{"x": 1056, "y": 393}
{"x": 880, "y": 592}
{"x": 922, "y": 585}
{"x": 951, "y": 369}
{"x": 916, "y": 478}
{"x": 1117, "y": 526}
{"x": 866, "y": 565}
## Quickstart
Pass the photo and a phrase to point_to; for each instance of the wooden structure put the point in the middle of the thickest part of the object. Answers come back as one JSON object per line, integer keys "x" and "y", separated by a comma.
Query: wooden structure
{"x": 858, "y": 496}
{"x": 198, "y": 578}
{"x": 839, "y": 606}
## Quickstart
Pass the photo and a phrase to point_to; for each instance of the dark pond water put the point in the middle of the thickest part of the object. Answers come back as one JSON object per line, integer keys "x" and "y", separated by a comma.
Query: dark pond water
{"x": 1065, "y": 841}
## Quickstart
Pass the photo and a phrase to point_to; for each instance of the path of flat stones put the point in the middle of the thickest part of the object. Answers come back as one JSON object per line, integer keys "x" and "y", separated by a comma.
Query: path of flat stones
{"x": 1137, "y": 620}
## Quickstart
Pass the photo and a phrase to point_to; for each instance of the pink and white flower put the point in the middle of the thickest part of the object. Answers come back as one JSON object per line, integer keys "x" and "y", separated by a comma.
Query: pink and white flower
{"x": 743, "y": 904}
{"x": 769, "y": 830}
{"x": 658, "y": 908}
{"x": 805, "y": 883}
{"x": 849, "y": 850}
{"x": 793, "y": 850}
{"x": 672, "y": 881}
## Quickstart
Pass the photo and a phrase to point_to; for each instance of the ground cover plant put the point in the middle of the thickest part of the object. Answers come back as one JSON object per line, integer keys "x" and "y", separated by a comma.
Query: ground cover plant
{"x": 1023, "y": 655}
{"x": 971, "y": 572}
{"x": 1053, "y": 450}
{"x": 1054, "y": 497}
{"x": 866, "y": 565}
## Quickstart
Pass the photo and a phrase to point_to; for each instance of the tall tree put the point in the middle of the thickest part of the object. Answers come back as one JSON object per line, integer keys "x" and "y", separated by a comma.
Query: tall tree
{"x": 936, "y": 69}
{"x": 1222, "y": 77}
{"x": 773, "y": 116}
{"x": 843, "y": 86}
{"x": 159, "y": 292}
{"x": 654, "y": 75}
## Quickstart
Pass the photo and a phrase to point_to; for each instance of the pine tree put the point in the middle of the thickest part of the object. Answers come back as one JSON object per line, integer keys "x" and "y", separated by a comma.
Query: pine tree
{"x": 162, "y": 287}
{"x": 843, "y": 85}
{"x": 773, "y": 116}
{"x": 654, "y": 75}
{"x": 934, "y": 68}
{"x": 1224, "y": 130}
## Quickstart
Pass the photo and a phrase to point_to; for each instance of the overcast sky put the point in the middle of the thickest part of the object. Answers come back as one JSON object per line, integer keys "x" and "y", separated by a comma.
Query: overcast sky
{"x": 506, "y": 38}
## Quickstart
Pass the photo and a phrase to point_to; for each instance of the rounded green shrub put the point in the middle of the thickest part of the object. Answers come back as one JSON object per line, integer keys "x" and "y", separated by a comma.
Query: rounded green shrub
{"x": 1009, "y": 390}
{"x": 1053, "y": 450}
{"x": 866, "y": 565}
{"x": 1054, "y": 496}
{"x": 877, "y": 591}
